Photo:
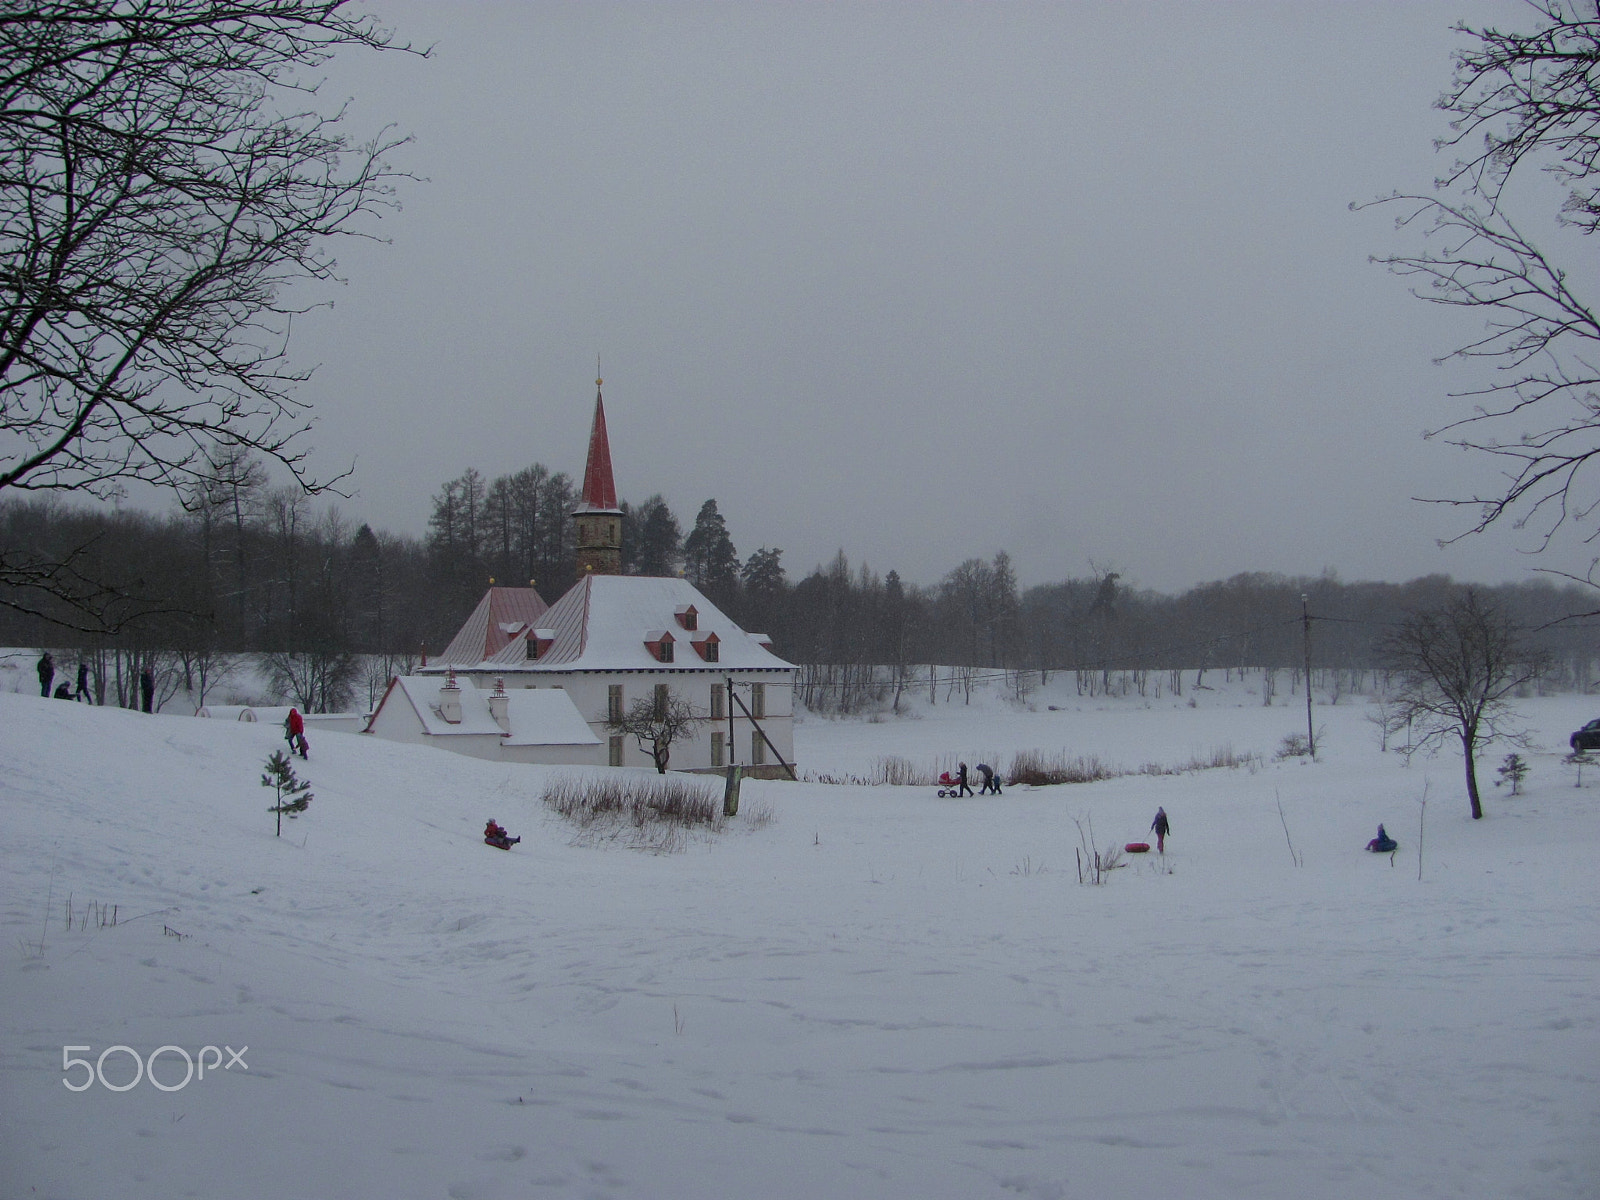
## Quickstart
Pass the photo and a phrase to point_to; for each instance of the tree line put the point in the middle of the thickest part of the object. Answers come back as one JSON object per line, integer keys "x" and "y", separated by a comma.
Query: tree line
{"x": 240, "y": 566}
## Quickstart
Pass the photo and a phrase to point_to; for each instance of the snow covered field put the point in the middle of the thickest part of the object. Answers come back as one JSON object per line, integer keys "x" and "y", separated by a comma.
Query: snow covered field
{"x": 877, "y": 993}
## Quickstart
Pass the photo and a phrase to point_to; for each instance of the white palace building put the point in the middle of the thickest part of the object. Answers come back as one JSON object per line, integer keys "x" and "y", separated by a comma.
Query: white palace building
{"x": 526, "y": 682}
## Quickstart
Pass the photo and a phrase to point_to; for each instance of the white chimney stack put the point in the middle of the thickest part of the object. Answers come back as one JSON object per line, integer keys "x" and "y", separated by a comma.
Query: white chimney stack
{"x": 500, "y": 706}
{"x": 450, "y": 700}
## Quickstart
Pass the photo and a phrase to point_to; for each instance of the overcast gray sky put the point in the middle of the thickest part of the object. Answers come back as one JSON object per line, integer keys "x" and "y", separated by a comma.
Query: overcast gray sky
{"x": 920, "y": 281}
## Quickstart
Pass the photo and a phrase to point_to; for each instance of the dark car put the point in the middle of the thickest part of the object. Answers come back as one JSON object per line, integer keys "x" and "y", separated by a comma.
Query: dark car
{"x": 1587, "y": 738}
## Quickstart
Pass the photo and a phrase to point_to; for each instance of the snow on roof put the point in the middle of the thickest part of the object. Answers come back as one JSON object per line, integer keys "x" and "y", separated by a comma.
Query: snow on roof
{"x": 546, "y": 717}
{"x": 538, "y": 717}
{"x": 602, "y": 624}
{"x": 500, "y": 616}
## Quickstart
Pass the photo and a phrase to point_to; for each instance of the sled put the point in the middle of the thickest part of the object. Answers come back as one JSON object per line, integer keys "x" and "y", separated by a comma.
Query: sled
{"x": 501, "y": 843}
{"x": 1137, "y": 847}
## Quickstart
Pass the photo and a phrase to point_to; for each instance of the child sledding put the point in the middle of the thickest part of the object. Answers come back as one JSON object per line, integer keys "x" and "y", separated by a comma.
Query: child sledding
{"x": 494, "y": 834}
{"x": 1383, "y": 843}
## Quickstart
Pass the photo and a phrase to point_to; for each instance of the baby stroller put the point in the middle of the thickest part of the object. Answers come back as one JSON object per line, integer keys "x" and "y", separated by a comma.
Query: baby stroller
{"x": 949, "y": 785}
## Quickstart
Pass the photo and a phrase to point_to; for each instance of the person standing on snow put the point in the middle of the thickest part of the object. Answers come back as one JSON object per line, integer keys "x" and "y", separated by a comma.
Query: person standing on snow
{"x": 83, "y": 683}
{"x": 47, "y": 672}
{"x": 1162, "y": 828}
{"x": 147, "y": 689}
{"x": 294, "y": 730}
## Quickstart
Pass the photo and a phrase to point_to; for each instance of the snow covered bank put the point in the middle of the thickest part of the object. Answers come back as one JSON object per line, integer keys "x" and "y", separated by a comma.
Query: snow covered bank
{"x": 879, "y": 993}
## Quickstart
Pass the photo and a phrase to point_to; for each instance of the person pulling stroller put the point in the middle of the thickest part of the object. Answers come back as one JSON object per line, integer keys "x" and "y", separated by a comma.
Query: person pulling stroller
{"x": 494, "y": 834}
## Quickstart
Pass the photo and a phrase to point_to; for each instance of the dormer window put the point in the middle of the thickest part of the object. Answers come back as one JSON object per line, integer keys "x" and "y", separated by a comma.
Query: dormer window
{"x": 689, "y": 617}
{"x": 705, "y": 645}
{"x": 538, "y": 641}
{"x": 659, "y": 643}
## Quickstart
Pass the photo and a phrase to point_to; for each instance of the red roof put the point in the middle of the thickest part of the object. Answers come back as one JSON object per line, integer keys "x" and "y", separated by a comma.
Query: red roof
{"x": 500, "y": 616}
{"x": 599, "y": 488}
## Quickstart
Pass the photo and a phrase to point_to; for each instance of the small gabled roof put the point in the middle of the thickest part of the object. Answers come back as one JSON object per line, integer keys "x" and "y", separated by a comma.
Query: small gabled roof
{"x": 603, "y": 623}
{"x": 501, "y": 617}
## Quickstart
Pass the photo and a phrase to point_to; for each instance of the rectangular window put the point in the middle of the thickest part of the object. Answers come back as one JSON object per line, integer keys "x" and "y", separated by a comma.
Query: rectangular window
{"x": 660, "y": 700}
{"x": 719, "y": 702}
{"x": 614, "y": 703}
{"x": 718, "y": 758}
{"x": 711, "y": 651}
{"x": 616, "y": 750}
{"x": 666, "y": 651}
{"x": 758, "y": 700}
{"x": 758, "y": 748}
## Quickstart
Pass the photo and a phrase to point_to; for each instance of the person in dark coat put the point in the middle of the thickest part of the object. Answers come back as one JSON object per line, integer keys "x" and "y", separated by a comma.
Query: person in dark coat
{"x": 987, "y": 772}
{"x": 1383, "y": 843}
{"x": 47, "y": 672}
{"x": 63, "y": 692}
{"x": 147, "y": 689}
{"x": 964, "y": 788}
{"x": 1162, "y": 827}
{"x": 83, "y": 684}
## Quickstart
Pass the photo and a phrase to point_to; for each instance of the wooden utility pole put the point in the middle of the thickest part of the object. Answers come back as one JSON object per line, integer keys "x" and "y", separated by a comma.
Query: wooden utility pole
{"x": 1305, "y": 617}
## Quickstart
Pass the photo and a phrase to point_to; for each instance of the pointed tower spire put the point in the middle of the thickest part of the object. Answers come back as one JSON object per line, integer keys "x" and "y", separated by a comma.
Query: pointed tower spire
{"x": 598, "y": 518}
{"x": 599, "y": 487}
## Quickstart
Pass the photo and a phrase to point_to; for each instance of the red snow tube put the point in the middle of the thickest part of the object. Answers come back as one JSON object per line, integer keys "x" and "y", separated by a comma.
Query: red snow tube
{"x": 1137, "y": 847}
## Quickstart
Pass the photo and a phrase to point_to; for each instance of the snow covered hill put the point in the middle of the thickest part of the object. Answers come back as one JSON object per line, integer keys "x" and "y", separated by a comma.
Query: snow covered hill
{"x": 875, "y": 993}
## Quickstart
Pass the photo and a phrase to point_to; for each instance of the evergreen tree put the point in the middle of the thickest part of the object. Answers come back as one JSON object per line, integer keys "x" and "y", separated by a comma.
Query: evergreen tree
{"x": 293, "y": 795}
{"x": 660, "y": 539}
{"x": 710, "y": 562}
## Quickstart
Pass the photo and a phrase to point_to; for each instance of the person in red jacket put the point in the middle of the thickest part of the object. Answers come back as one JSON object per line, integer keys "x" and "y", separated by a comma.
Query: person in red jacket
{"x": 494, "y": 834}
{"x": 294, "y": 729}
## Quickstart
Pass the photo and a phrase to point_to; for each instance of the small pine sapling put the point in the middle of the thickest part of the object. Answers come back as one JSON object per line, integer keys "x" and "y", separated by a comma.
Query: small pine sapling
{"x": 293, "y": 795}
{"x": 1513, "y": 771}
{"x": 1577, "y": 760}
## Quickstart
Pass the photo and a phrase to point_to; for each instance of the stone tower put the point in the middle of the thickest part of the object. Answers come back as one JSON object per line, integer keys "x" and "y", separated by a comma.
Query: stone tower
{"x": 598, "y": 518}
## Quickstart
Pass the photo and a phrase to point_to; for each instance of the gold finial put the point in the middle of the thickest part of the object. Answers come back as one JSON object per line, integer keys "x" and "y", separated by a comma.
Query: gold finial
{"x": 597, "y": 380}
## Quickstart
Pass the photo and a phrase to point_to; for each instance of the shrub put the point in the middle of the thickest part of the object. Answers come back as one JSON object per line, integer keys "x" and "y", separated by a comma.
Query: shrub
{"x": 1033, "y": 767}
{"x": 1294, "y": 745}
{"x": 900, "y": 772}
{"x": 656, "y": 811}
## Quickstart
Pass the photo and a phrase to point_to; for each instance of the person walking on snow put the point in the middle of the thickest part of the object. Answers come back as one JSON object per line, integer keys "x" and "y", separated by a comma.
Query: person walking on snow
{"x": 1162, "y": 828}
{"x": 47, "y": 672}
{"x": 965, "y": 789}
{"x": 987, "y": 772}
{"x": 294, "y": 729}
{"x": 83, "y": 684}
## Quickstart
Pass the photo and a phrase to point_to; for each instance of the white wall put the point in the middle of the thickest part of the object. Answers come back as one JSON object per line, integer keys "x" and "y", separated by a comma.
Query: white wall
{"x": 588, "y": 692}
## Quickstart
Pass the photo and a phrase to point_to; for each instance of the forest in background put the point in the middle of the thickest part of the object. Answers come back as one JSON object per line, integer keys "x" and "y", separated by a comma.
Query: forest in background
{"x": 331, "y": 609}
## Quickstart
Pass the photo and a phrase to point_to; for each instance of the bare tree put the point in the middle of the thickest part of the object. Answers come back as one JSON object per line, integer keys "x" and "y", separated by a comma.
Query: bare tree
{"x": 1459, "y": 666}
{"x": 1521, "y": 102}
{"x": 655, "y": 723}
{"x": 162, "y": 205}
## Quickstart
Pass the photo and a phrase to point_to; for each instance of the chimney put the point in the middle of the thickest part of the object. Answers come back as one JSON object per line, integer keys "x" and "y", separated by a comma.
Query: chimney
{"x": 450, "y": 700}
{"x": 499, "y": 706}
